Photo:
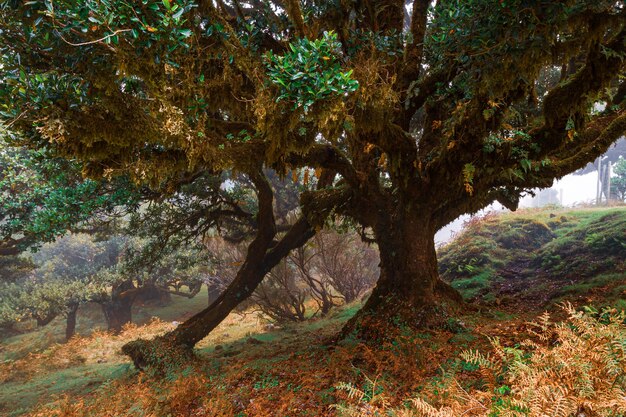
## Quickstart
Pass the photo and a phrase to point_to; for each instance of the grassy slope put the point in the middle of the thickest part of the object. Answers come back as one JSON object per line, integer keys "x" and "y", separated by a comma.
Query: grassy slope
{"x": 244, "y": 370}
{"x": 539, "y": 256}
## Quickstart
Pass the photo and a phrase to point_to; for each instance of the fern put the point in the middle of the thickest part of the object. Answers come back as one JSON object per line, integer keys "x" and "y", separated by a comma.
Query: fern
{"x": 577, "y": 367}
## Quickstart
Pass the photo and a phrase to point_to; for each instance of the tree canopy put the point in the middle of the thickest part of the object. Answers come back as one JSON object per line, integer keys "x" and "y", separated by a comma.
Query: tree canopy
{"x": 399, "y": 115}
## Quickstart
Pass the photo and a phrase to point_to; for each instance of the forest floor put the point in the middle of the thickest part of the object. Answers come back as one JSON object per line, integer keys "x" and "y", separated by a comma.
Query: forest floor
{"x": 247, "y": 368}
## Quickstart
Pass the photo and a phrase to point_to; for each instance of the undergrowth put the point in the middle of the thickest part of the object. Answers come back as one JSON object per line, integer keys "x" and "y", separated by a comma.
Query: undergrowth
{"x": 568, "y": 369}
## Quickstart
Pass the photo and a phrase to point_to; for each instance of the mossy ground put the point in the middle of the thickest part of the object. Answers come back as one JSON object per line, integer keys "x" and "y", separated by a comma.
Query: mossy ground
{"x": 245, "y": 368}
{"x": 539, "y": 256}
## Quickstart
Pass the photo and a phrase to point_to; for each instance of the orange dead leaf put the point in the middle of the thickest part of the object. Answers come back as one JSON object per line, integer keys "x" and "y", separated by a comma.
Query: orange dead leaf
{"x": 382, "y": 162}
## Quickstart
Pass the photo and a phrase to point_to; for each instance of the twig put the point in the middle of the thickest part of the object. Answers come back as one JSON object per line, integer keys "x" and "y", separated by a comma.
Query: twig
{"x": 16, "y": 119}
{"x": 94, "y": 41}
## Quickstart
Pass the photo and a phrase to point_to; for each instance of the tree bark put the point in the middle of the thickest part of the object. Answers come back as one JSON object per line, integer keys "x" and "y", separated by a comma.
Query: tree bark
{"x": 409, "y": 292}
{"x": 118, "y": 310}
{"x": 70, "y": 327}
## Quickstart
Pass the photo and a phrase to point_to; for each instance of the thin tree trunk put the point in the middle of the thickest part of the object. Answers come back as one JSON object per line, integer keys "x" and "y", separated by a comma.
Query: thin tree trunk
{"x": 70, "y": 327}
{"x": 180, "y": 341}
{"x": 263, "y": 254}
{"x": 248, "y": 278}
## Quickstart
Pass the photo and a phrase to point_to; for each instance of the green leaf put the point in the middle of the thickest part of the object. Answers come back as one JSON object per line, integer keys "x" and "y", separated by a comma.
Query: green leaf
{"x": 526, "y": 164}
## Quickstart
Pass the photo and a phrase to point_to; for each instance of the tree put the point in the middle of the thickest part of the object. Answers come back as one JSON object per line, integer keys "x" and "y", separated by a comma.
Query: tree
{"x": 618, "y": 182}
{"x": 349, "y": 265}
{"x": 42, "y": 197}
{"x": 67, "y": 274}
{"x": 399, "y": 121}
{"x": 279, "y": 296}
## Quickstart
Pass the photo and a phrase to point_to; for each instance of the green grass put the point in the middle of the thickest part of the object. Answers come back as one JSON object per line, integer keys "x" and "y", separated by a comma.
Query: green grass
{"x": 21, "y": 396}
{"x": 596, "y": 282}
{"x": 475, "y": 285}
{"x": 576, "y": 249}
{"x": 90, "y": 318}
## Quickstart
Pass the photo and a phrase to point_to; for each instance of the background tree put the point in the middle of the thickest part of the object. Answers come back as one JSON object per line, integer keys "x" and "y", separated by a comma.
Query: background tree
{"x": 42, "y": 197}
{"x": 280, "y": 296}
{"x": 407, "y": 121}
{"x": 351, "y": 266}
{"x": 618, "y": 182}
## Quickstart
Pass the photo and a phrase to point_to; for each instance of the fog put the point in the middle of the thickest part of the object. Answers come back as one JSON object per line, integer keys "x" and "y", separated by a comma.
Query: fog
{"x": 572, "y": 190}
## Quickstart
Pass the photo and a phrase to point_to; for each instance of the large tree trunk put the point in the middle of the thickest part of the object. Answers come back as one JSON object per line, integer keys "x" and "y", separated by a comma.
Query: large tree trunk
{"x": 70, "y": 327}
{"x": 409, "y": 292}
{"x": 118, "y": 310}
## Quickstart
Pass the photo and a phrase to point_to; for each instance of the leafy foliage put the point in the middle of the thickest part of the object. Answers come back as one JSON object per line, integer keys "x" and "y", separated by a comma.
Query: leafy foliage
{"x": 66, "y": 272}
{"x": 310, "y": 71}
{"x": 41, "y": 197}
{"x": 463, "y": 104}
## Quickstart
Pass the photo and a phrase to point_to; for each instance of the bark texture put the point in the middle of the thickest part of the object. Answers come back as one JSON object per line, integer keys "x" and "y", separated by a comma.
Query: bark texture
{"x": 118, "y": 310}
{"x": 409, "y": 292}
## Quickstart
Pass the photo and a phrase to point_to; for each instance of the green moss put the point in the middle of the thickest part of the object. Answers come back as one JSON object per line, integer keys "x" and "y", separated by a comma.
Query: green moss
{"x": 548, "y": 247}
{"x": 473, "y": 286}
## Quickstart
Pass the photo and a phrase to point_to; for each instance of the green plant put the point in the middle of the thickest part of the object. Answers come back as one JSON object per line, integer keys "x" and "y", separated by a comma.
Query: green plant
{"x": 310, "y": 72}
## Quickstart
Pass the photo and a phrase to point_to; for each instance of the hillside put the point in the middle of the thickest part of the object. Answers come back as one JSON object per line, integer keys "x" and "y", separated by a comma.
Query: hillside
{"x": 247, "y": 368}
{"x": 539, "y": 256}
